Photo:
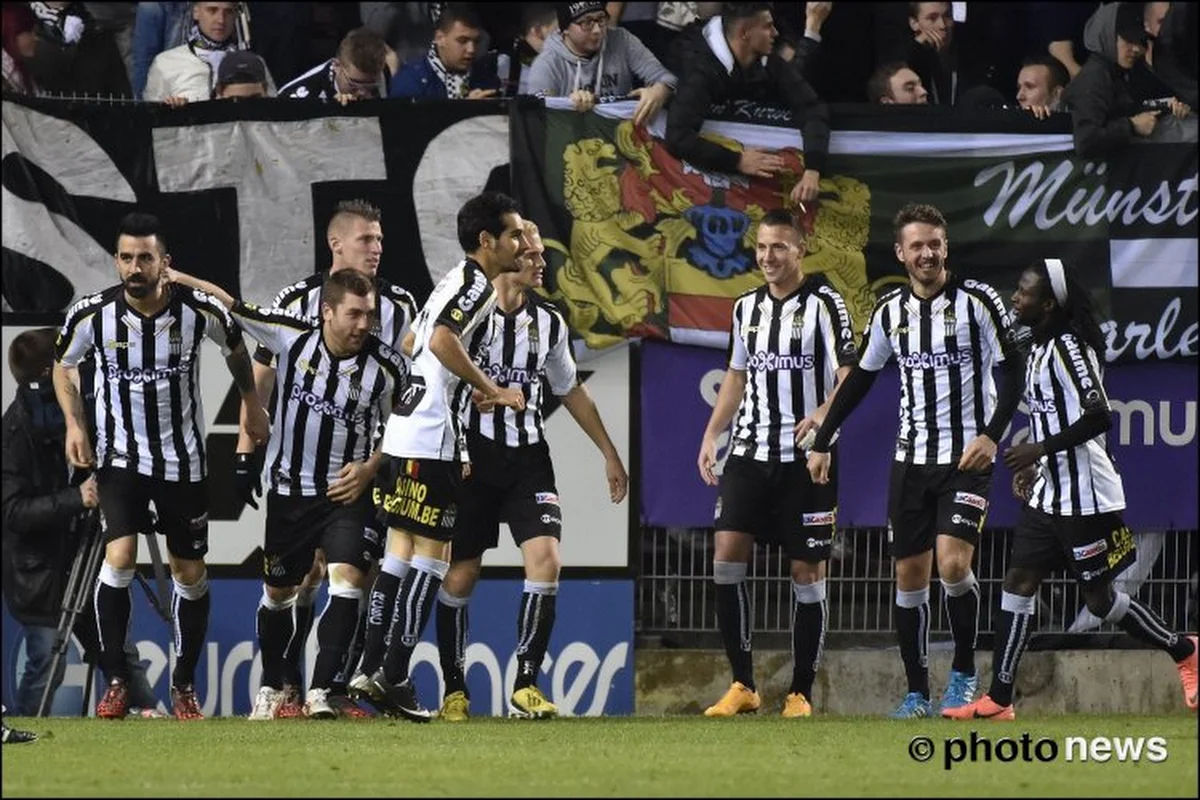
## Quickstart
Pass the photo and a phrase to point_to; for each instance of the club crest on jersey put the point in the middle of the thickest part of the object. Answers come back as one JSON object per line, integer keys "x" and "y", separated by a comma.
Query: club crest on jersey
{"x": 174, "y": 343}
{"x": 951, "y": 323}
{"x": 354, "y": 392}
{"x": 798, "y": 326}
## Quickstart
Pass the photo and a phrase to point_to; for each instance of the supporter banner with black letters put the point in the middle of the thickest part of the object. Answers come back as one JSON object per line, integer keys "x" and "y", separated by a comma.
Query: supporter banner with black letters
{"x": 244, "y": 189}
{"x": 642, "y": 244}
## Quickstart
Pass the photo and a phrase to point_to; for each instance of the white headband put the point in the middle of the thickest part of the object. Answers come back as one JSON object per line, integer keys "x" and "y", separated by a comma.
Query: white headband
{"x": 1058, "y": 280}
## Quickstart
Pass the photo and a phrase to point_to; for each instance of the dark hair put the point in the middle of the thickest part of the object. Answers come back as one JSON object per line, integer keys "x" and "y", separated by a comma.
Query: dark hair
{"x": 484, "y": 212}
{"x": 352, "y": 208}
{"x": 914, "y": 10}
{"x": 139, "y": 223}
{"x": 458, "y": 12}
{"x": 734, "y": 13}
{"x": 1058, "y": 73}
{"x": 880, "y": 83}
{"x": 345, "y": 281}
{"x": 783, "y": 218}
{"x": 364, "y": 49}
{"x": 535, "y": 14}
{"x": 1077, "y": 315}
{"x": 31, "y": 354}
{"x": 917, "y": 212}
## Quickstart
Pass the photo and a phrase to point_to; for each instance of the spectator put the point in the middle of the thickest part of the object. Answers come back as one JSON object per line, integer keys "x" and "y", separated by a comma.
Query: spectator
{"x": 241, "y": 74}
{"x": 1058, "y": 27}
{"x": 450, "y": 68}
{"x": 896, "y": 84}
{"x": 731, "y": 58}
{"x": 19, "y": 44}
{"x": 1173, "y": 56}
{"x": 189, "y": 72}
{"x": 282, "y": 38}
{"x": 73, "y": 55}
{"x": 806, "y": 46}
{"x": 588, "y": 61}
{"x": 539, "y": 21}
{"x": 356, "y": 72}
{"x": 682, "y": 22}
{"x": 116, "y": 19}
{"x": 156, "y": 27}
{"x": 1104, "y": 114}
{"x": 1041, "y": 84}
{"x": 406, "y": 27}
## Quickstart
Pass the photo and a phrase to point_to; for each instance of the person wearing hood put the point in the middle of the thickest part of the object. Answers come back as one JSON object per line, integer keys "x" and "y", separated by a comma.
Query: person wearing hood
{"x": 1104, "y": 114}
{"x": 588, "y": 60}
{"x": 733, "y": 58}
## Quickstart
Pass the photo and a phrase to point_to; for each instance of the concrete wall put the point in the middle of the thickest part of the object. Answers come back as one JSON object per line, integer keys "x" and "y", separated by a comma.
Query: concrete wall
{"x": 871, "y": 682}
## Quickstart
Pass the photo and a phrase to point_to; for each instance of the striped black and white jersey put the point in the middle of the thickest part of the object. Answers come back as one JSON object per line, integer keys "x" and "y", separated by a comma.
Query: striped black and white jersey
{"x": 149, "y": 416}
{"x": 394, "y": 310}
{"x": 946, "y": 347}
{"x": 1063, "y": 382}
{"x": 424, "y": 424}
{"x": 528, "y": 348}
{"x": 790, "y": 350}
{"x": 328, "y": 410}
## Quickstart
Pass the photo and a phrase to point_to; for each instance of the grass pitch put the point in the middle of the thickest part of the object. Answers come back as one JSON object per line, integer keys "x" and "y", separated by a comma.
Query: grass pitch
{"x": 671, "y": 756}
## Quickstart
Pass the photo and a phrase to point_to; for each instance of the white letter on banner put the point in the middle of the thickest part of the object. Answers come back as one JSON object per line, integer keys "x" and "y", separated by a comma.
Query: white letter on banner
{"x": 273, "y": 166}
{"x": 240, "y": 653}
{"x": 67, "y": 154}
{"x": 453, "y": 169}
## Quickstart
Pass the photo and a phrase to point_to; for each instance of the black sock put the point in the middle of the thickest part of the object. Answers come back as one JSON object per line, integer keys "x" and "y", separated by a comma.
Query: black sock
{"x": 192, "y": 604}
{"x": 962, "y": 608}
{"x": 1144, "y": 625}
{"x": 452, "y": 624}
{"x": 414, "y": 604}
{"x": 333, "y": 639}
{"x": 353, "y": 655}
{"x": 912, "y": 630}
{"x": 1013, "y": 626}
{"x": 276, "y": 627}
{"x": 808, "y": 635}
{"x": 304, "y": 613}
{"x": 535, "y": 621}
{"x": 733, "y": 618}
{"x": 113, "y": 607}
{"x": 381, "y": 607}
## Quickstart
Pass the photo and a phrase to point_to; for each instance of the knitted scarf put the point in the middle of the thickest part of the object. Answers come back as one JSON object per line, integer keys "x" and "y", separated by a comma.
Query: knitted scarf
{"x": 456, "y": 85}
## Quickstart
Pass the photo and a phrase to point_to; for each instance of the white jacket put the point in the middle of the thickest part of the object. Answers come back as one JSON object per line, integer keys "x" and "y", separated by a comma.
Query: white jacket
{"x": 179, "y": 72}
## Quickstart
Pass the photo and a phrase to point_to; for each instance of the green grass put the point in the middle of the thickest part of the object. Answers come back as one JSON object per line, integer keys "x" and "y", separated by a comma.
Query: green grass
{"x": 580, "y": 757}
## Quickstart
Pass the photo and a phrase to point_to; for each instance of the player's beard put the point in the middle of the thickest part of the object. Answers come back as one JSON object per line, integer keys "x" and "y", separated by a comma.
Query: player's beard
{"x": 138, "y": 287}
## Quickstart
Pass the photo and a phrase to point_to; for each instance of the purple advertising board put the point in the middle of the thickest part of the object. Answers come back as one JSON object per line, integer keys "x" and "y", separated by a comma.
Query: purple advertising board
{"x": 1153, "y": 439}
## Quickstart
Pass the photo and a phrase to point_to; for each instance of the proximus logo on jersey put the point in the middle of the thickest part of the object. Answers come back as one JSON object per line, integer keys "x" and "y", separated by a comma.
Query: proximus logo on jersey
{"x": 936, "y": 360}
{"x": 324, "y": 407}
{"x": 775, "y": 361}
{"x": 136, "y": 375}
{"x": 504, "y": 374}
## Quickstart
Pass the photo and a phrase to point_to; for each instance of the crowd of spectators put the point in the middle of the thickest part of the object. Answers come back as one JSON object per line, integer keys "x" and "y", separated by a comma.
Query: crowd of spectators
{"x": 1120, "y": 69}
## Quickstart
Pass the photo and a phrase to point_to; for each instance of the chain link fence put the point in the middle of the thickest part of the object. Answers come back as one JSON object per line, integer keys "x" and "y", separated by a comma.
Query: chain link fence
{"x": 676, "y": 600}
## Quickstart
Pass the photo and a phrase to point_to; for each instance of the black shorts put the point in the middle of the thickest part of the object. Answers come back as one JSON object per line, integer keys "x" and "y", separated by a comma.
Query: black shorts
{"x": 509, "y": 484}
{"x": 297, "y": 526}
{"x": 181, "y": 509}
{"x": 927, "y": 499}
{"x": 778, "y": 502}
{"x": 1094, "y": 548}
{"x": 374, "y": 539}
{"x": 419, "y": 495}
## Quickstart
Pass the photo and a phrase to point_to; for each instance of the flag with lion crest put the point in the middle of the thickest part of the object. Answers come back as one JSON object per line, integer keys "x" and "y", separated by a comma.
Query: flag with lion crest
{"x": 640, "y": 244}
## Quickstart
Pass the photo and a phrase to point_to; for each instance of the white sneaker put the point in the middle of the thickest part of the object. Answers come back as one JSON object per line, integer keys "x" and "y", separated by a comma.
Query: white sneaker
{"x": 267, "y": 703}
{"x": 316, "y": 705}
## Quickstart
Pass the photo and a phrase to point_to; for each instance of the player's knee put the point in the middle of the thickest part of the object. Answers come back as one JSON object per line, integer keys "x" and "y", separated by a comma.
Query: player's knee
{"x": 462, "y": 576}
{"x": 542, "y": 562}
{"x": 121, "y": 553}
{"x": 953, "y": 568}
{"x": 187, "y": 571}
{"x": 344, "y": 580}
{"x": 399, "y": 544}
{"x": 1099, "y": 599}
{"x": 805, "y": 572}
{"x": 278, "y": 598}
{"x": 1022, "y": 582}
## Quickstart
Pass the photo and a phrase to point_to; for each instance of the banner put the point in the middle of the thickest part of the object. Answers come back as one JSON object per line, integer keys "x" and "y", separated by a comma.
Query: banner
{"x": 588, "y": 669}
{"x": 1153, "y": 440}
{"x": 641, "y": 244}
{"x": 244, "y": 189}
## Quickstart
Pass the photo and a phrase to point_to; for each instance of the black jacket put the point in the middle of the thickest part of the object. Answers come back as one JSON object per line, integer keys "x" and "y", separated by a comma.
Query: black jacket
{"x": 40, "y": 513}
{"x": 1099, "y": 96}
{"x": 707, "y": 81}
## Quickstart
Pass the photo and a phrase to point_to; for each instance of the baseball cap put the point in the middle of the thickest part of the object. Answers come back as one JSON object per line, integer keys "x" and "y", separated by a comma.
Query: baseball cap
{"x": 241, "y": 66}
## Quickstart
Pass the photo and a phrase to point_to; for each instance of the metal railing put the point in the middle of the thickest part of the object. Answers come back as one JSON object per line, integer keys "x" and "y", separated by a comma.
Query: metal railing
{"x": 676, "y": 600}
